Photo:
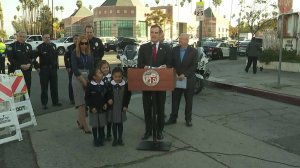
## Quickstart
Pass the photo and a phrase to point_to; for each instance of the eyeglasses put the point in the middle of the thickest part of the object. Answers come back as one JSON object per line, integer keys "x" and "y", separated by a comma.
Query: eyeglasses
{"x": 84, "y": 43}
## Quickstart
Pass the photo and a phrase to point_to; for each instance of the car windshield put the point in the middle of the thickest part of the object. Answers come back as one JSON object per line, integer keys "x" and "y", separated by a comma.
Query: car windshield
{"x": 62, "y": 39}
{"x": 210, "y": 44}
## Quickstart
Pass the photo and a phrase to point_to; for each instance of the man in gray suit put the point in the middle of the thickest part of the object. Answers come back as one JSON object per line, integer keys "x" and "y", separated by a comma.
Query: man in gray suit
{"x": 253, "y": 50}
{"x": 184, "y": 60}
{"x": 154, "y": 55}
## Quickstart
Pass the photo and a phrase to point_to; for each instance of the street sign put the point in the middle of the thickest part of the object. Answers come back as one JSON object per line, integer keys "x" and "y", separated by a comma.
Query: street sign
{"x": 285, "y": 5}
{"x": 199, "y": 11}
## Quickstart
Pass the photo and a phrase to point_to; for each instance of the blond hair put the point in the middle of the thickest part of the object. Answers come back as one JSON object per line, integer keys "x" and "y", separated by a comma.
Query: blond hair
{"x": 78, "y": 50}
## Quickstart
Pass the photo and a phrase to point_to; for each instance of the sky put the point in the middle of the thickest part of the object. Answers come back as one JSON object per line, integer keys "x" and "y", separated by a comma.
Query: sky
{"x": 9, "y": 8}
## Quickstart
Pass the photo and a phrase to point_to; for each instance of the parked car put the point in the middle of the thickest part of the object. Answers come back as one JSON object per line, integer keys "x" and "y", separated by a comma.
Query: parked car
{"x": 62, "y": 44}
{"x": 211, "y": 50}
{"x": 241, "y": 50}
{"x": 110, "y": 43}
{"x": 34, "y": 40}
{"x": 225, "y": 48}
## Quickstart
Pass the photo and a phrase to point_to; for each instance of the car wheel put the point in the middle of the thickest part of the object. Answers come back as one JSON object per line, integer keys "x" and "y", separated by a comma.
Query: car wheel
{"x": 61, "y": 51}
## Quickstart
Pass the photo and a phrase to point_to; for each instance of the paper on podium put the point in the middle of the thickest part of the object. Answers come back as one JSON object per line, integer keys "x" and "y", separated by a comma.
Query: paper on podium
{"x": 181, "y": 83}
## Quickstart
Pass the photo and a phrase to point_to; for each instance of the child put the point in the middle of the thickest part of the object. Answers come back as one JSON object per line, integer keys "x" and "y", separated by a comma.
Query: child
{"x": 96, "y": 98}
{"x": 105, "y": 69}
{"x": 120, "y": 99}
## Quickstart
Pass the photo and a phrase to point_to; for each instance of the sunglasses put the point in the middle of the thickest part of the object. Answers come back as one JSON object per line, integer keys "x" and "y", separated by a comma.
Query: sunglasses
{"x": 84, "y": 43}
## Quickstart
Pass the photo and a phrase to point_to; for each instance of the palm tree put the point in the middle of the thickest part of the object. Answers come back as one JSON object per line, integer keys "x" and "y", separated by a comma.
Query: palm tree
{"x": 90, "y": 7}
{"x": 57, "y": 9}
{"x": 61, "y": 11}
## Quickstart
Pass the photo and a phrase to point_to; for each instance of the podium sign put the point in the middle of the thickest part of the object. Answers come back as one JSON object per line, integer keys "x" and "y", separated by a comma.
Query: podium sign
{"x": 162, "y": 79}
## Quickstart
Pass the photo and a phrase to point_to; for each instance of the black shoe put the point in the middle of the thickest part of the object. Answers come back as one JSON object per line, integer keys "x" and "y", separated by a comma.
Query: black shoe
{"x": 246, "y": 70}
{"x": 188, "y": 123}
{"x": 45, "y": 107}
{"x": 146, "y": 135}
{"x": 108, "y": 137}
{"x": 57, "y": 104}
{"x": 115, "y": 143}
{"x": 169, "y": 122}
{"x": 120, "y": 142}
{"x": 96, "y": 143}
{"x": 160, "y": 136}
{"x": 100, "y": 142}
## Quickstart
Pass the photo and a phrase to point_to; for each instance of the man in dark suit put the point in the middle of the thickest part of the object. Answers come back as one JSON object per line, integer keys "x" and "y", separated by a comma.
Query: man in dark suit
{"x": 154, "y": 54}
{"x": 253, "y": 50}
{"x": 184, "y": 60}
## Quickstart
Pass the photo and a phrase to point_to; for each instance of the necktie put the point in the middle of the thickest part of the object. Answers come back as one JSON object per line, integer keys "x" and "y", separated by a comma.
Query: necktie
{"x": 154, "y": 52}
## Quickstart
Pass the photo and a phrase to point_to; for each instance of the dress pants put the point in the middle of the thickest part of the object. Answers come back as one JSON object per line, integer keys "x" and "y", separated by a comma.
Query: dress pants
{"x": 2, "y": 64}
{"x": 250, "y": 60}
{"x": 27, "y": 78}
{"x": 71, "y": 95}
{"x": 49, "y": 74}
{"x": 188, "y": 96}
{"x": 154, "y": 100}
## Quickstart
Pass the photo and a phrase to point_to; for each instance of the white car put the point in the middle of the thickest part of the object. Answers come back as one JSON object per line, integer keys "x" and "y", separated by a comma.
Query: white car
{"x": 225, "y": 48}
{"x": 62, "y": 44}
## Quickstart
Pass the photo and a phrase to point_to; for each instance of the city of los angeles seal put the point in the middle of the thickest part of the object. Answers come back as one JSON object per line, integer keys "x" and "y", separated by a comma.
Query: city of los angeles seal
{"x": 150, "y": 77}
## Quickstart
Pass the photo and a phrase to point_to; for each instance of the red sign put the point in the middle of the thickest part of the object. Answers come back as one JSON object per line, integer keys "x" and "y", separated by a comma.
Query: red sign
{"x": 285, "y": 5}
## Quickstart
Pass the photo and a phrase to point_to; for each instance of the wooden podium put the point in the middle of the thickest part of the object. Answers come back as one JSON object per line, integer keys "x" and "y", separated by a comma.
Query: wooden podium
{"x": 156, "y": 79}
{"x": 159, "y": 79}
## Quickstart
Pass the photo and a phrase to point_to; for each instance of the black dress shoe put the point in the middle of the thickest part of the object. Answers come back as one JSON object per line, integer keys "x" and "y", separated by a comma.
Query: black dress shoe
{"x": 57, "y": 104}
{"x": 188, "y": 123}
{"x": 160, "y": 136}
{"x": 115, "y": 143}
{"x": 45, "y": 107}
{"x": 146, "y": 135}
{"x": 120, "y": 142}
{"x": 169, "y": 122}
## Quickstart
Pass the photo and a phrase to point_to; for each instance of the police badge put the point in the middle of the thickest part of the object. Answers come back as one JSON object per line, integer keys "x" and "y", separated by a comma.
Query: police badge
{"x": 96, "y": 44}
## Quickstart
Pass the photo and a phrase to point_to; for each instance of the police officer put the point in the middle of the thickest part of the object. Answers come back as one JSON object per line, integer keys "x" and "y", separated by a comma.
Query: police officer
{"x": 2, "y": 57}
{"x": 96, "y": 44}
{"x": 67, "y": 59}
{"x": 20, "y": 56}
{"x": 47, "y": 68}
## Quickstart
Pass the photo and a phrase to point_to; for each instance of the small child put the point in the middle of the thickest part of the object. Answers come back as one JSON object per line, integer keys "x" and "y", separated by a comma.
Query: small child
{"x": 96, "y": 97}
{"x": 120, "y": 101}
{"x": 105, "y": 69}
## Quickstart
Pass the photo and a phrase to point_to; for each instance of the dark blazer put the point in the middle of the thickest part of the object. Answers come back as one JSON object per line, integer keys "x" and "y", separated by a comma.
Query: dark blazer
{"x": 188, "y": 64}
{"x": 145, "y": 56}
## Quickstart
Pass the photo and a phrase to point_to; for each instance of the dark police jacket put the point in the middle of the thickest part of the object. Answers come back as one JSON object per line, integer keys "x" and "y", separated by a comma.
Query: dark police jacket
{"x": 97, "y": 48}
{"x": 68, "y": 55}
{"x": 48, "y": 56}
{"x": 19, "y": 54}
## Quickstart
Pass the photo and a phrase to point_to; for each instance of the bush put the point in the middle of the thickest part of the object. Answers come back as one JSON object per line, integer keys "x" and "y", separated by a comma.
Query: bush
{"x": 270, "y": 55}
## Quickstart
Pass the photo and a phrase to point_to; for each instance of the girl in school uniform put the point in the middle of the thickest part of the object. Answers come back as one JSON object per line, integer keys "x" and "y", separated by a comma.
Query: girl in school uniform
{"x": 120, "y": 101}
{"x": 105, "y": 69}
{"x": 96, "y": 97}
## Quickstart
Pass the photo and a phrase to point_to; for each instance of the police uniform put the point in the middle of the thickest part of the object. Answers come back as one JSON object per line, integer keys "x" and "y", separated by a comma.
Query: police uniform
{"x": 20, "y": 54}
{"x": 48, "y": 65}
{"x": 97, "y": 49}
{"x": 2, "y": 57}
{"x": 68, "y": 64}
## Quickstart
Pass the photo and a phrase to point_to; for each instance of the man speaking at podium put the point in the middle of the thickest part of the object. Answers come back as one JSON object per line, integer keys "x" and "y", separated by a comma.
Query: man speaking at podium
{"x": 154, "y": 55}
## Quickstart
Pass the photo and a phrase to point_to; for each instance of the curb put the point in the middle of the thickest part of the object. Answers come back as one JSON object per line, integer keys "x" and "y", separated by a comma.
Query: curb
{"x": 284, "y": 98}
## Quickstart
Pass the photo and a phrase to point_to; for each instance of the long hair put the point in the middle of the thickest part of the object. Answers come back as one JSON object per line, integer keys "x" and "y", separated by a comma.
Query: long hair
{"x": 78, "y": 50}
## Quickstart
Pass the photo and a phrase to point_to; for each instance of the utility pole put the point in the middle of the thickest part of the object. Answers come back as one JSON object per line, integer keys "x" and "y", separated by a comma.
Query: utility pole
{"x": 200, "y": 14}
{"x": 52, "y": 34}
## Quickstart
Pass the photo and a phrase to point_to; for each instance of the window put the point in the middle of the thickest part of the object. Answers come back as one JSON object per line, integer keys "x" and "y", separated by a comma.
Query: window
{"x": 103, "y": 28}
{"x": 125, "y": 11}
{"x": 142, "y": 29}
{"x": 118, "y": 11}
{"x": 125, "y": 28}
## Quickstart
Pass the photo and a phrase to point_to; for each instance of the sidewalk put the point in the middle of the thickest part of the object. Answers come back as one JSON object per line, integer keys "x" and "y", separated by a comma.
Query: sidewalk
{"x": 230, "y": 74}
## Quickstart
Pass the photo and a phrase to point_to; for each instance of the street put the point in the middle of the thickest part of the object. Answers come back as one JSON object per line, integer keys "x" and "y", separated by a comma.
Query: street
{"x": 230, "y": 129}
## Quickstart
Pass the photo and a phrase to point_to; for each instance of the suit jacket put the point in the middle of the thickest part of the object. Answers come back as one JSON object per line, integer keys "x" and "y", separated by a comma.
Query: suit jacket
{"x": 188, "y": 64}
{"x": 145, "y": 56}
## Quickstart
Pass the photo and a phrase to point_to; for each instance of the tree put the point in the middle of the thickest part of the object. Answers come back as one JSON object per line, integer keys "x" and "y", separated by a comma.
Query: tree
{"x": 90, "y": 7}
{"x": 217, "y": 2}
{"x": 259, "y": 16}
{"x": 61, "y": 11}
{"x": 57, "y": 9}
{"x": 45, "y": 19}
{"x": 158, "y": 17}
{"x": 233, "y": 32}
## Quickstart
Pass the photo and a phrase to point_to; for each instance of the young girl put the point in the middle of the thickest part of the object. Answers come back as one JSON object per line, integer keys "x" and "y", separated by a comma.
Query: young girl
{"x": 120, "y": 98}
{"x": 105, "y": 69}
{"x": 96, "y": 98}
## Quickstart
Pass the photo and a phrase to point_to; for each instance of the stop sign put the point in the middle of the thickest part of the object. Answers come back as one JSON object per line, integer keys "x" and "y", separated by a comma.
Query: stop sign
{"x": 285, "y": 5}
